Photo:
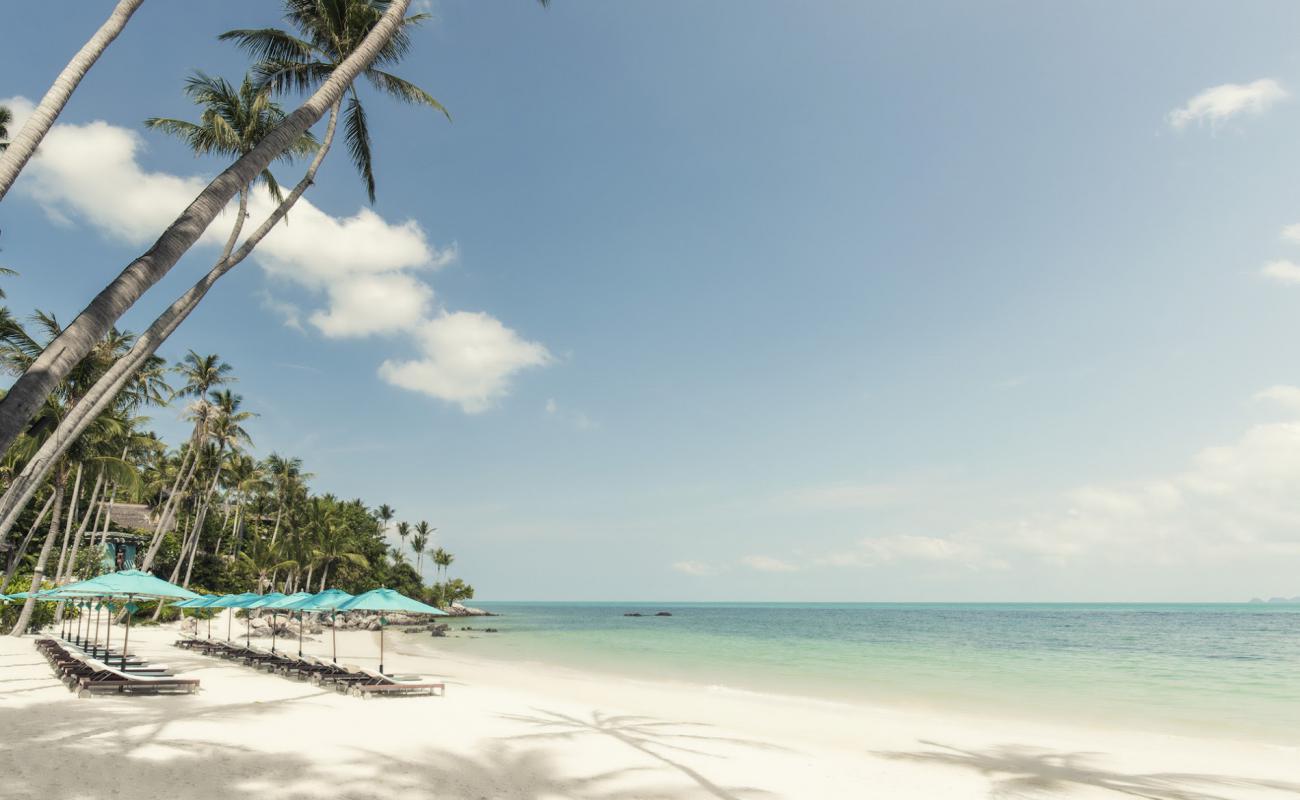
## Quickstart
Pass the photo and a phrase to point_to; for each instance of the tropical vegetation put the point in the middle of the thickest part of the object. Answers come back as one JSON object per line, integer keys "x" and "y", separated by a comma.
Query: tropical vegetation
{"x": 75, "y": 443}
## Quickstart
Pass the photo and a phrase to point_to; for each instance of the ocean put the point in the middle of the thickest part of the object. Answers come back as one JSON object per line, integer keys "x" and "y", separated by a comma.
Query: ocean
{"x": 1227, "y": 669}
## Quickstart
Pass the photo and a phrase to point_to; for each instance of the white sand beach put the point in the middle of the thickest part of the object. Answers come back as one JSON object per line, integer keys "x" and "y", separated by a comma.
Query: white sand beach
{"x": 516, "y": 730}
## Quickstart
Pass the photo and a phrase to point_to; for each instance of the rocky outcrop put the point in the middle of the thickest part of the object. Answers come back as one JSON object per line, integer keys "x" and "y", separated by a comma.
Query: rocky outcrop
{"x": 458, "y": 610}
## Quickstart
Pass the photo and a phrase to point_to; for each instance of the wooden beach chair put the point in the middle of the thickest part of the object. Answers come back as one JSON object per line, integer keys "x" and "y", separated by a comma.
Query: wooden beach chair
{"x": 379, "y": 683}
{"x": 106, "y": 680}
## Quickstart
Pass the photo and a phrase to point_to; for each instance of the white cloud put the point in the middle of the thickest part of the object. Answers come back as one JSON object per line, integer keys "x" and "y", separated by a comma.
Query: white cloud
{"x": 364, "y": 304}
{"x": 768, "y": 564}
{"x": 1220, "y": 103}
{"x": 552, "y": 406}
{"x": 697, "y": 568}
{"x": 1281, "y": 271}
{"x": 1233, "y": 501}
{"x": 365, "y": 269}
{"x": 468, "y": 359}
{"x": 1291, "y": 233}
{"x": 1288, "y": 397}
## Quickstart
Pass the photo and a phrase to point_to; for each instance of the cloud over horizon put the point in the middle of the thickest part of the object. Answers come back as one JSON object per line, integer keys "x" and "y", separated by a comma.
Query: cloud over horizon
{"x": 1218, "y": 104}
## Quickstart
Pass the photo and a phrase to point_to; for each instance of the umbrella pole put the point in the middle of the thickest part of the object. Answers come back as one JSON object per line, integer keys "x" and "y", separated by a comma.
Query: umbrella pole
{"x": 300, "y": 616}
{"x": 209, "y": 626}
{"x": 127, "y": 640}
{"x": 230, "y": 621}
{"x": 99, "y": 606}
{"x": 381, "y": 645}
{"x": 108, "y": 634}
{"x": 273, "y": 629}
{"x": 334, "y": 639}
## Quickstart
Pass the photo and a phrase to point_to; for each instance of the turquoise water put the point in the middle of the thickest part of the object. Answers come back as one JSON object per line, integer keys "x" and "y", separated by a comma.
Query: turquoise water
{"x": 1225, "y": 669}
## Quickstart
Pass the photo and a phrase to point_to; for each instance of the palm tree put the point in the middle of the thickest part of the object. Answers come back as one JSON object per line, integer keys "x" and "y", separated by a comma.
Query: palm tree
{"x": 403, "y": 531}
{"x": 330, "y": 31}
{"x": 199, "y": 375}
{"x": 13, "y": 159}
{"x": 418, "y": 542}
{"x": 286, "y": 475}
{"x": 6, "y": 117}
{"x": 232, "y": 123}
{"x": 439, "y": 557}
{"x": 27, "y": 393}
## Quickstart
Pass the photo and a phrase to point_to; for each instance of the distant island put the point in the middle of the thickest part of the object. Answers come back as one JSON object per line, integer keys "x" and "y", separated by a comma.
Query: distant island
{"x": 1276, "y": 600}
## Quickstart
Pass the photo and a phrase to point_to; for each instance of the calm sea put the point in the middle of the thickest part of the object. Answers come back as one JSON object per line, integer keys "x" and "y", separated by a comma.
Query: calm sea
{"x": 1226, "y": 669}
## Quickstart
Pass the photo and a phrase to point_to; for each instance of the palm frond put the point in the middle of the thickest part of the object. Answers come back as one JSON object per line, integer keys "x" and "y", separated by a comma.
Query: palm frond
{"x": 358, "y": 138}
{"x": 404, "y": 90}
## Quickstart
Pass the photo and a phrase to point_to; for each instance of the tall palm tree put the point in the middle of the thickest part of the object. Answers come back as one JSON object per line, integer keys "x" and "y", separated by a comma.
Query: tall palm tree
{"x": 27, "y": 393}
{"x": 199, "y": 374}
{"x": 403, "y": 531}
{"x": 439, "y": 557}
{"x": 33, "y": 131}
{"x": 329, "y": 32}
{"x": 418, "y": 543}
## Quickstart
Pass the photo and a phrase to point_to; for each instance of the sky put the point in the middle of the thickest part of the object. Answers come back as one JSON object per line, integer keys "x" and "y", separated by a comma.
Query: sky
{"x": 827, "y": 301}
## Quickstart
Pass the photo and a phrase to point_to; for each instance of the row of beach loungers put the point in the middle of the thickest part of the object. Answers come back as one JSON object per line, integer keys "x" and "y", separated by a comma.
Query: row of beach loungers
{"x": 356, "y": 681}
{"x": 88, "y": 676}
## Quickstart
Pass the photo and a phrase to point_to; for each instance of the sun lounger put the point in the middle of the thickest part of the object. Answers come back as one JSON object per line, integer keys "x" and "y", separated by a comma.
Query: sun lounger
{"x": 379, "y": 683}
{"x": 107, "y": 680}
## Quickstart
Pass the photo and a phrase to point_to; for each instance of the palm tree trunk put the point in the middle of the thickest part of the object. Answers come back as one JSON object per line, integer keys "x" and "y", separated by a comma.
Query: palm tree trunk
{"x": 106, "y": 389}
{"x": 199, "y": 519}
{"x": 65, "y": 574}
{"x": 67, "y": 525}
{"x": 108, "y": 516}
{"x": 22, "y": 146}
{"x": 17, "y": 555}
{"x": 324, "y": 574}
{"x": 25, "y": 616}
{"x": 77, "y": 339}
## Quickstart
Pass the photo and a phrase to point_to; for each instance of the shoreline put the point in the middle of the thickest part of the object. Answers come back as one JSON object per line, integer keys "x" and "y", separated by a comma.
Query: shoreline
{"x": 513, "y": 730}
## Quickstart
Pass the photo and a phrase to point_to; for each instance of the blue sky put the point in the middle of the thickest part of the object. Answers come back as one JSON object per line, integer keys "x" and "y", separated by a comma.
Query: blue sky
{"x": 828, "y": 301}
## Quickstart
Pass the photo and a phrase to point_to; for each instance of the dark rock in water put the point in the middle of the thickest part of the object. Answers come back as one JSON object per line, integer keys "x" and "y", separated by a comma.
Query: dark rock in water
{"x": 490, "y": 630}
{"x": 634, "y": 614}
{"x": 663, "y": 614}
{"x": 438, "y": 632}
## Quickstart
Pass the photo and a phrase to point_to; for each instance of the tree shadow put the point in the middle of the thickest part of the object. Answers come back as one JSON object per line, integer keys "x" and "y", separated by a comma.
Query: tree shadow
{"x": 124, "y": 752}
{"x": 1023, "y": 771}
{"x": 649, "y": 736}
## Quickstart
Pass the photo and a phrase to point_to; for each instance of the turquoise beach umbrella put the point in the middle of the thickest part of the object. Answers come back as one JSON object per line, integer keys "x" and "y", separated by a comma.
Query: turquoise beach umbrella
{"x": 328, "y": 600}
{"x": 382, "y": 600}
{"x": 128, "y": 583}
{"x": 233, "y": 601}
{"x": 275, "y": 607}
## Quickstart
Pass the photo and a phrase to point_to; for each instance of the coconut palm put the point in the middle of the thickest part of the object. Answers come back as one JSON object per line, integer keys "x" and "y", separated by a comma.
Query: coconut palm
{"x": 419, "y": 542}
{"x": 6, "y": 117}
{"x": 329, "y": 32}
{"x": 439, "y": 559}
{"x": 403, "y": 531}
{"x": 28, "y": 392}
{"x": 199, "y": 375}
{"x": 13, "y": 159}
{"x": 232, "y": 123}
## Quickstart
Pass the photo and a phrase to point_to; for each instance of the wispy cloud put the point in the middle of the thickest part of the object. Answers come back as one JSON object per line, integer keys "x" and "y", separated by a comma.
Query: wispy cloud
{"x": 1286, "y": 397}
{"x": 1218, "y": 104}
{"x": 768, "y": 564}
{"x": 698, "y": 569}
{"x": 1281, "y": 271}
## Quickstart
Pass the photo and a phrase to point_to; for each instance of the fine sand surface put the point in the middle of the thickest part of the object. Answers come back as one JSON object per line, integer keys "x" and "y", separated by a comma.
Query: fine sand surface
{"x": 511, "y": 730}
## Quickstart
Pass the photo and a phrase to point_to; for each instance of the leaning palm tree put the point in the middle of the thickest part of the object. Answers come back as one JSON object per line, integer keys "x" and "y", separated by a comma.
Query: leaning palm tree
{"x": 6, "y": 117}
{"x": 329, "y": 32}
{"x": 43, "y": 116}
{"x": 29, "y": 391}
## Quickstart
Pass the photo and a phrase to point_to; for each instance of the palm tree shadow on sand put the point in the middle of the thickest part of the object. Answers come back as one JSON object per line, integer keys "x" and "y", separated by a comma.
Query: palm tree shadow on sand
{"x": 651, "y": 737}
{"x": 1023, "y": 772}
